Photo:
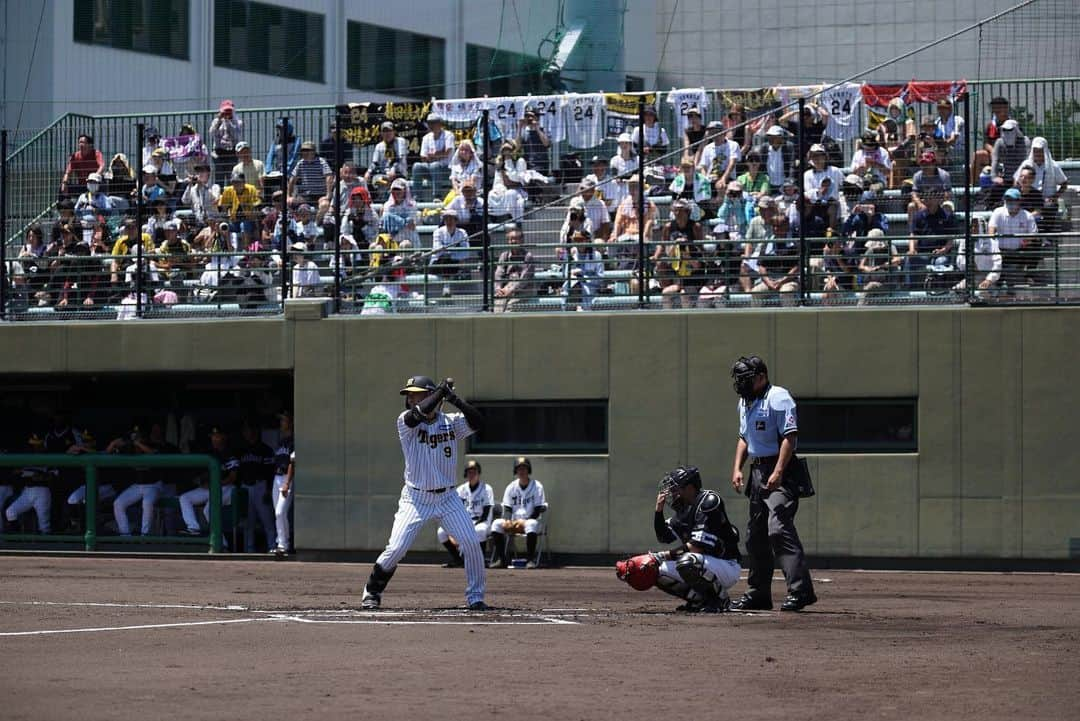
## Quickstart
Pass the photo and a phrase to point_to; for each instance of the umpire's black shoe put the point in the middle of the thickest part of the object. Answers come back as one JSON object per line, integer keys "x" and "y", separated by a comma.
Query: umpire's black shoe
{"x": 479, "y": 606}
{"x": 798, "y": 603}
{"x": 498, "y": 563}
{"x": 752, "y": 603}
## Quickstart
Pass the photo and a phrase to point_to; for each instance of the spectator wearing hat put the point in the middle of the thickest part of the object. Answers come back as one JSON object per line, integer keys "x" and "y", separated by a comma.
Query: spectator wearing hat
{"x": 201, "y": 196}
{"x": 176, "y": 262}
{"x": 508, "y": 191}
{"x": 306, "y": 282}
{"x": 151, "y": 142}
{"x": 1009, "y": 153}
{"x": 871, "y": 158}
{"x": 678, "y": 259}
{"x": 595, "y": 209}
{"x": 450, "y": 254}
{"x": 534, "y": 143}
{"x": 1015, "y": 229}
{"x": 779, "y": 157}
{"x": 200, "y": 495}
{"x": 878, "y": 266}
{"x": 240, "y": 202}
{"x": 226, "y": 131}
{"x": 755, "y": 181}
{"x": 693, "y": 186}
{"x": 584, "y": 270}
{"x": 400, "y": 213}
{"x": 514, "y": 272}
{"x": 358, "y": 220}
{"x": 120, "y": 182}
{"x": 999, "y": 113}
{"x": 758, "y": 244}
{"x": 166, "y": 173}
{"x": 85, "y": 160}
{"x": 252, "y": 169}
{"x": 693, "y": 135}
{"x": 469, "y": 206}
{"x": 604, "y": 181}
{"x": 814, "y": 120}
{"x": 822, "y": 184}
{"x": 863, "y": 215}
{"x": 949, "y": 134}
{"x": 93, "y": 200}
{"x": 735, "y": 211}
{"x": 623, "y": 163}
{"x": 655, "y": 142}
{"x": 432, "y": 171}
{"x": 312, "y": 179}
{"x": 929, "y": 178}
{"x": 152, "y": 187}
{"x": 718, "y": 158}
{"x": 465, "y": 166}
{"x": 272, "y": 163}
{"x": 933, "y": 227}
{"x": 388, "y": 160}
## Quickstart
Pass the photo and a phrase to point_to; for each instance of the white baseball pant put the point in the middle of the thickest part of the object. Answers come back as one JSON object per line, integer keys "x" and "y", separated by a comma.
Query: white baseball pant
{"x": 725, "y": 575}
{"x": 104, "y": 492}
{"x": 37, "y": 497}
{"x": 281, "y": 512}
{"x": 148, "y": 493}
{"x": 482, "y": 532}
{"x": 199, "y": 497}
{"x": 415, "y": 508}
{"x": 532, "y": 525}
{"x": 6, "y": 492}
{"x": 260, "y": 509}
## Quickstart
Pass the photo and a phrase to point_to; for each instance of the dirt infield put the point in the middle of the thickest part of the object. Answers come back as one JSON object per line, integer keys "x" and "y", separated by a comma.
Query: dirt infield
{"x": 135, "y": 639}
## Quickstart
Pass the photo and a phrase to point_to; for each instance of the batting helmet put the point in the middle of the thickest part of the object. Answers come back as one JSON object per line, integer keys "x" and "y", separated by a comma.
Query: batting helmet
{"x": 744, "y": 371}
{"x": 639, "y": 572}
{"x": 522, "y": 461}
{"x": 418, "y": 384}
{"x": 472, "y": 464}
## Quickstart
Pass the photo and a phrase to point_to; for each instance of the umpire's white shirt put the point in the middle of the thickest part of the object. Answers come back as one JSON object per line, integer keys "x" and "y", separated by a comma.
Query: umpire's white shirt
{"x": 430, "y": 450}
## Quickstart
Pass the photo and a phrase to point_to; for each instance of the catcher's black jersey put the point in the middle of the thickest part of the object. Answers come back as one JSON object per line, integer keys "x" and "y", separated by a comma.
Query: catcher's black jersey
{"x": 704, "y": 522}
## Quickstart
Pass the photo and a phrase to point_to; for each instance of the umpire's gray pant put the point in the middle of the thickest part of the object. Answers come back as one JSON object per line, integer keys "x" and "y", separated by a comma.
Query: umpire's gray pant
{"x": 771, "y": 536}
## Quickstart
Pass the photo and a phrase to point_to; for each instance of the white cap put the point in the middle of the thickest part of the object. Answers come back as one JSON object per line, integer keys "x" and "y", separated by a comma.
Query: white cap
{"x": 1009, "y": 124}
{"x": 173, "y": 224}
{"x": 299, "y": 246}
{"x": 1038, "y": 144}
{"x": 624, "y": 138}
{"x": 776, "y": 132}
{"x": 96, "y": 177}
{"x": 449, "y": 213}
{"x": 148, "y": 168}
{"x": 817, "y": 148}
{"x": 854, "y": 179}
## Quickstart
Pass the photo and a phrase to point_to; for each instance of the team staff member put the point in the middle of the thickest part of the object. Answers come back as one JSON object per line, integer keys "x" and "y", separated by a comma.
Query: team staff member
{"x": 523, "y": 503}
{"x": 284, "y": 469}
{"x": 479, "y": 500}
{"x": 200, "y": 496}
{"x": 256, "y": 474}
{"x": 768, "y": 433}
{"x": 429, "y": 440}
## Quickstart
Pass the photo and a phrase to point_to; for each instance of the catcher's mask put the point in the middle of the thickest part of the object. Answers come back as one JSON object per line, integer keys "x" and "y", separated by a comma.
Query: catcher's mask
{"x": 417, "y": 384}
{"x": 744, "y": 371}
{"x": 674, "y": 481}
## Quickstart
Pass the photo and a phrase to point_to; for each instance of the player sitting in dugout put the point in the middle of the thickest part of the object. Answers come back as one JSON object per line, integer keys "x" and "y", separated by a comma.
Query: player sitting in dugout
{"x": 522, "y": 504}
{"x": 705, "y": 564}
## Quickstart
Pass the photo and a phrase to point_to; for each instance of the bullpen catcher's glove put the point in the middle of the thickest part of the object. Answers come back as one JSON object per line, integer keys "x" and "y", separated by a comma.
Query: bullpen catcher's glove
{"x": 640, "y": 572}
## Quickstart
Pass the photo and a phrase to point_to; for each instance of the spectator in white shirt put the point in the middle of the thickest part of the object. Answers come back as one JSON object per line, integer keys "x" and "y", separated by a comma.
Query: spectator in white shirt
{"x": 465, "y": 166}
{"x": 821, "y": 186}
{"x": 469, "y": 207}
{"x": 871, "y": 158}
{"x": 306, "y": 282}
{"x": 656, "y": 138}
{"x": 1009, "y": 222}
{"x": 604, "y": 181}
{"x": 987, "y": 256}
{"x": 1049, "y": 177}
{"x": 595, "y": 209}
{"x": 432, "y": 171}
{"x": 623, "y": 164}
{"x": 718, "y": 159}
{"x": 450, "y": 250}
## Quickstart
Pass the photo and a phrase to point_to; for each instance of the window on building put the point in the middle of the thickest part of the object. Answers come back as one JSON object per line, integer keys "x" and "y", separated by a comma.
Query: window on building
{"x": 158, "y": 27}
{"x": 542, "y": 427}
{"x": 395, "y": 62}
{"x": 858, "y": 425}
{"x": 269, "y": 39}
{"x": 499, "y": 73}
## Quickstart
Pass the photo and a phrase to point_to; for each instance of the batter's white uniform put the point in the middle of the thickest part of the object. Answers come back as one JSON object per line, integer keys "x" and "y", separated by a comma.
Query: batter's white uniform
{"x": 522, "y": 502}
{"x": 475, "y": 501}
{"x": 430, "y": 451}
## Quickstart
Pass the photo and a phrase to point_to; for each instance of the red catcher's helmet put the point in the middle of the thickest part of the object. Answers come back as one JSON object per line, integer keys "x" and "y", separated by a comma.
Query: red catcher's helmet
{"x": 640, "y": 572}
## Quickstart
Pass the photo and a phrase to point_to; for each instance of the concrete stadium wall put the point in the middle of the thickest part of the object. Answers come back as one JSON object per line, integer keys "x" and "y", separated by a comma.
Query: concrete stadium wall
{"x": 998, "y": 389}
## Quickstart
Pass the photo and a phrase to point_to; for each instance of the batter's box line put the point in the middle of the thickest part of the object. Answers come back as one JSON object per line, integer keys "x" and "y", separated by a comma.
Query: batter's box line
{"x": 478, "y": 620}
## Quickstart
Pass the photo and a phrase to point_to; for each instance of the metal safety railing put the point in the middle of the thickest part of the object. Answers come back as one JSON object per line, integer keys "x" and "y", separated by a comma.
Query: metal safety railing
{"x": 91, "y": 462}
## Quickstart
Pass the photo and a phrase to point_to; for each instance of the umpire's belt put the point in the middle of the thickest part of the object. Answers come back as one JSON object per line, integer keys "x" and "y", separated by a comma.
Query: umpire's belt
{"x": 763, "y": 460}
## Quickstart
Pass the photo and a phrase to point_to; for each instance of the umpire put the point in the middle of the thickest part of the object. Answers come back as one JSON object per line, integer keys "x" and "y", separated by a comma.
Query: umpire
{"x": 768, "y": 433}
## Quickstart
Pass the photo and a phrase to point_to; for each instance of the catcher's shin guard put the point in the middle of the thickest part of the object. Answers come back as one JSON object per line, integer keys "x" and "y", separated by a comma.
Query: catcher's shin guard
{"x": 703, "y": 582}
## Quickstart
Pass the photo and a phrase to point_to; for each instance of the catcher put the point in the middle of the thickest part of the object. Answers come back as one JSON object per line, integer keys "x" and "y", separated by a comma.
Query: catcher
{"x": 706, "y": 563}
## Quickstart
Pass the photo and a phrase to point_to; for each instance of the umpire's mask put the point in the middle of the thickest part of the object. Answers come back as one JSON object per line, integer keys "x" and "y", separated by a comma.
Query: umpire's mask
{"x": 744, "y": 371}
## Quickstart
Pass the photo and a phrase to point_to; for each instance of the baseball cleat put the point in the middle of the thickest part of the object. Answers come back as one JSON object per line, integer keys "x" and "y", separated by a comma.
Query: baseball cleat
{"x": 532, "y": 564}
{"x": 751, "y": 603}
{"x": 370, "y": 601}
{"x": 798, "y": 603}
{"x": 479, "y": 606}
{"x": 498, "y": 564}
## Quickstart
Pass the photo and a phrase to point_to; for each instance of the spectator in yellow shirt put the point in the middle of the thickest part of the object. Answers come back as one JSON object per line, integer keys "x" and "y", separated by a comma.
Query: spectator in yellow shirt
{"x": 125, "y": 244}
{"x": 240, "y": 200}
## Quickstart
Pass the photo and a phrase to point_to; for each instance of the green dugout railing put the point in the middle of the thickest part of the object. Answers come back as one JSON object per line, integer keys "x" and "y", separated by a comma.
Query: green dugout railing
{"x": 90, "y": 463}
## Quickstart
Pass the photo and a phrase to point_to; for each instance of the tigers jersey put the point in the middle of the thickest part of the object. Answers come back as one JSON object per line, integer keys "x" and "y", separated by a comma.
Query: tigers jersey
{"x": 682, "y": 100}
{"x": 523, "y": 501}
{"x": 549, "y": 111}
{"x": 584, "y": 119}
{"x": 476, "y": 500}
{"x": 430, "y": 450}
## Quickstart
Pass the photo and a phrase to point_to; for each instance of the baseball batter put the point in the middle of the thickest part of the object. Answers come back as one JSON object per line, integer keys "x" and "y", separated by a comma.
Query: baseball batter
{"x": 706, "y": 563}
{"x": 523, "y": 504}
{"x": 479, "y": 501}
{"x": 429, "y": 441}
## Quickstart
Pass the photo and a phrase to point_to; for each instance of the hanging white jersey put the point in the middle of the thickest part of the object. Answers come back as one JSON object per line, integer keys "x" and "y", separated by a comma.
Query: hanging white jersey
{"x": 505, "y": 113}
{"x": 549, "y": 113}
{"x": 684, "y": 99}
{"x": 430, "y": 450}
{"x": 843, "y": 102}
{"x": 583, "y": 116}
{"x": 460, "y": 111}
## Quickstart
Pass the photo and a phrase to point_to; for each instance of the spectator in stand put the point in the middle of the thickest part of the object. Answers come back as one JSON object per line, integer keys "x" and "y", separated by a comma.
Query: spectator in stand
{"x": 902, "y": 128}
{"x": 328, "y": 147}
{"x": 605, "y": 182}
{"x": 166, "y": 173}
{"x": 999, "y": 113}
{"x": 176, "y": 262}
{"x": 871, "y": 158}
{"x": 400, "y": 213}
{"x": 534, "y": 143}
{"x": 735, "y": 211}
{"x": 451, "y": 255}
{"x": 359, "y": 220}
{"x": 758, "y": 245}
{"x": 202, "y": 197}
{"x": 585, "y": 271}
{"x": 120, "y": 182}
{"x": 75, "y": 278}
{"x": 628, "y": 228}
{"x": 678, "y": 269}
{"x": 878, "y": 266}
{"x": 595, "y": 210}
{"x": 306, "y": 281}
{"x": 814, "y": 120}
{"x": 1009, "y": 153}
{"x": 30, "y": 273}
{"x": 226, "y": 131}
{"x": 1031, "y": 198}
{"x": 1048, "y": 177}
{"x": 778, "y": 270}
{"x": 349, "y": 180}
{"x": 656, "y": 138}
{"x": 1015, "y": 229}
{"x": 200, "y": 495}
{"x": 155, "y": 223}
{"x": 718, "y": 159}
{"x": 188, "y": 151}
{"x": 821, "y": 185}
{"x": 987, "y": 257}
{"x": 311, "y": 179}
{"x": 470, "y": 208}
{"x": 693, "y": 186}
{"x": 929, "y": 178}
{"x": 240, "y": 202}
{"x": 949, "y": 134}
{"x": 465, "y": 166}
{"x": 432, "y": 171}
{"x": 387, "y": 161}
{"x": 693, "y": 136}
{"x": 514, "y": 273}
{"x": 754, "y": 181}
{"x": 623, "y": 163}
{"x": 151, "y": 142}
{"x": 508, "y": 194}
{"x": 87, "y": 159}
{"x": 253, "y": 170}
{"x": 864, "y": 216}
{"x": 779, "y": 157}
{"x": 152, "y": 187}
{"x": 93, "y": 199}
{"x": 272, "y": 163}
{"x": 932, "y": 231}
{"x": 787, "y": 203}
{"x": 126, "y": 243}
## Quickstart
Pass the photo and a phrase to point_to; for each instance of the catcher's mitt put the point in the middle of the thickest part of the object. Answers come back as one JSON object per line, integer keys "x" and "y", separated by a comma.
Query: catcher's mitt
{"x": 640, "y": 572}
{"x": 517, "y": 526}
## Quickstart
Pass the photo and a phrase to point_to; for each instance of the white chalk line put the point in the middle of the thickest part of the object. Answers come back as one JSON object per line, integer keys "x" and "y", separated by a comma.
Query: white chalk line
{"x": 90, "y": 604}
{"x": 140, "y": 627}
{"x": 375, "y": 621}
